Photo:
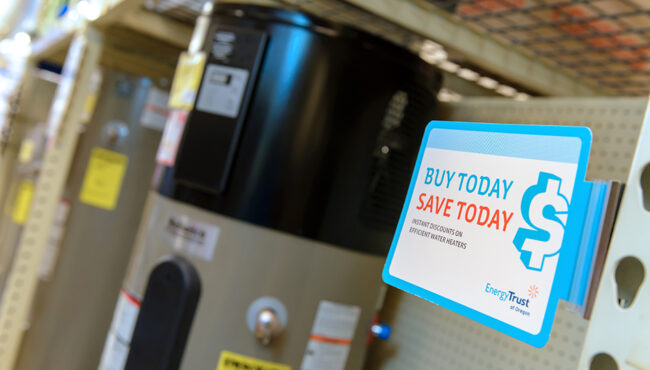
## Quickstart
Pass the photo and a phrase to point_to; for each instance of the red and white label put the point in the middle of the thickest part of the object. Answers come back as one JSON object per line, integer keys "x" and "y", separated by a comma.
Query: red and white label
{"x": 118, "y": 340}
{"x": 331, "y": 336}
{"x": 155, "y": 112}
{"x": 171, "y": 137}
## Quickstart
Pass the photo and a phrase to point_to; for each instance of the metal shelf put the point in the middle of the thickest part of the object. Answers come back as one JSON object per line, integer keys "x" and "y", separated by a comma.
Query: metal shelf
{"x": 604, "y": 41}
{"x": 411, "y": 23}
{"x": 554, "y": 48}
{"x": 148, "y": 31}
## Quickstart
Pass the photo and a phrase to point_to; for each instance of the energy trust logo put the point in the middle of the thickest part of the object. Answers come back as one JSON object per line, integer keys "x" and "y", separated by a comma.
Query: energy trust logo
{"x": 545, "y": 210}
{"x": 533, "y": 291}
{"x": 518, "y": 302}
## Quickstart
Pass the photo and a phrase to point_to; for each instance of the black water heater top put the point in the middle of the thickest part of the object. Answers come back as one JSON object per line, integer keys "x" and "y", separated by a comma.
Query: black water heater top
{"x": 304, "y": 126}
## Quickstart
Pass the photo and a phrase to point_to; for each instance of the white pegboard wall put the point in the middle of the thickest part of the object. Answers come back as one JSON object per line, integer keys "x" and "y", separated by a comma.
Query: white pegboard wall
{"x": 426, "y": 336}
{"x": 615, "y": 123}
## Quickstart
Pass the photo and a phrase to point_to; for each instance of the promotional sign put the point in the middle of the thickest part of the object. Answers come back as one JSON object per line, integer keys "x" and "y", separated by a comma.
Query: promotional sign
{"x": 492, "y": 223}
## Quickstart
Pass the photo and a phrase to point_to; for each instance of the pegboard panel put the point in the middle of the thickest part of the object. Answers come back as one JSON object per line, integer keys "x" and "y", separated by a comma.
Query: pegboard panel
{"x": 426, "y": 336}
{"x": 619, "y": 331}
{"x": 615, "y": 123}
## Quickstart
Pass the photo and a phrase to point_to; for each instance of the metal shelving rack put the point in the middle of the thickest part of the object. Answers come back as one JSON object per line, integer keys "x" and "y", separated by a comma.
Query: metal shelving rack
{"x": 106, "y": 42}
{"x": 503, "y": 40}
{"x": 607, "y": 42}
{"x": 23, "y": 278}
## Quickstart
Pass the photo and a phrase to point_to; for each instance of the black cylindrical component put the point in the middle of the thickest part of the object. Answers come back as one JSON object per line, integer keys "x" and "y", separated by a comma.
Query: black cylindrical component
{"x": 166, "y": 316}
{"x": 304, "y": 126}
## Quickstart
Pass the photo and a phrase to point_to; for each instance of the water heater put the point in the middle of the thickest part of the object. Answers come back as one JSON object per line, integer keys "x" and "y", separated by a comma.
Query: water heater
{"x": 89, "y": 249}
{"x": 262, "y": 246}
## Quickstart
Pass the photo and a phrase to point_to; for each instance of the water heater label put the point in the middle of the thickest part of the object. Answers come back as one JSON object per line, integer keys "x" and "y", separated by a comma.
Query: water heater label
{"x": 171, "y": 137}
{"x": 195, "y": 238}
{"x": 222, "y": 90}
{"x": 155, "y": 112}
{"x": 331, "y": 336}
{"x": 491, "y": 223}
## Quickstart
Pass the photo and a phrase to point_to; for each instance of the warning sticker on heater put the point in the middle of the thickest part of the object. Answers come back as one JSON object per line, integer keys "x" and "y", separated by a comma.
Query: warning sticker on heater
{"x": 331, "y": 336}
{"x": 222, "y": 90}
{"x": 234, "y": 361}
{"x": 118, "y": 340}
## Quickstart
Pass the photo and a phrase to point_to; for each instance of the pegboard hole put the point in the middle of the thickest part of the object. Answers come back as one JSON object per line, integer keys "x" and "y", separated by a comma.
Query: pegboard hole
{"x": 629, "y": 276}
{"x": 645, "y": 186}
{"x": 603, "y": 361}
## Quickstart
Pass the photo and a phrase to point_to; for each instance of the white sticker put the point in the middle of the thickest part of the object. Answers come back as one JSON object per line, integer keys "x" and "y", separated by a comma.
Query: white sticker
{"x": 116, "y": 348}
{"x": 171, "y": 137}
{"x": 114, "y": 355}
{"x": 192, "y": 237}
{"x": 126, "y": 314}
{"x": 222, "y": 90}
{"x": 331, "y": 336}
{"x": 155, "y": 113}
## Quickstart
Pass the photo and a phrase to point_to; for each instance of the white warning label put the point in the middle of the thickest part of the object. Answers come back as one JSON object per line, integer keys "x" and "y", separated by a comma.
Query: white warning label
{"x": 331, "y": 336}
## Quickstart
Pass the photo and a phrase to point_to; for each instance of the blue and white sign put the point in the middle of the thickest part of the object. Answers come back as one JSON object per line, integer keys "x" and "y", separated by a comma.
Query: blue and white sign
{"x": 492, "y": 223}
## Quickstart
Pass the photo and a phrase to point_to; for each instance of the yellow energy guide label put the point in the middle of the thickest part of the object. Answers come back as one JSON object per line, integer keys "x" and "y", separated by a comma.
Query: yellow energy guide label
{"x": 103, "y": 181}
{"x": 234, "y": 361}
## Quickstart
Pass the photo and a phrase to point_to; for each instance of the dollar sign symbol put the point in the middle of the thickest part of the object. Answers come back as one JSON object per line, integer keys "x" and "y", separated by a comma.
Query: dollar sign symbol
{"x": 545, "y": 210}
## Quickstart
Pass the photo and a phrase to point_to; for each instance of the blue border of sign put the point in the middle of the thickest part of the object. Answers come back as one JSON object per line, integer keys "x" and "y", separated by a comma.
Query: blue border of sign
{"x": 570, "y": 243}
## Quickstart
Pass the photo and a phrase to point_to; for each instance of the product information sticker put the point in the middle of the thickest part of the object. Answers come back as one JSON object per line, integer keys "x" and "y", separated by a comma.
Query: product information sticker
{"x": 492, "y": 221}
{"x": 103, "y": 180}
